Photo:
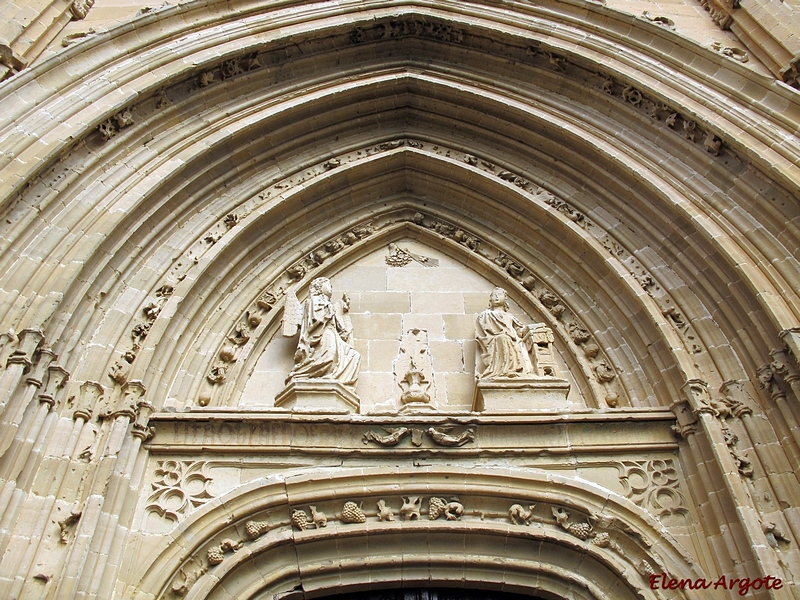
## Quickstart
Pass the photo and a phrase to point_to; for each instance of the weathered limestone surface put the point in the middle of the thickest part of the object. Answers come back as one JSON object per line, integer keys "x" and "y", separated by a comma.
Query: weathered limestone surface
{"x": 173, "y": 179}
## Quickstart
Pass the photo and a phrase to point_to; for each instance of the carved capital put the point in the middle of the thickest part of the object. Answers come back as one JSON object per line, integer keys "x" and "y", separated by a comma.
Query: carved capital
{"x": 696, "y": 393}
{"x": 57, "y": 378}
{"x": 791, "y": 339}
{"x": 141, "y": 429}
{"x": 18, "y": 357}
{"x": 45, "y": 357}
{"x": 735, "y": 398}
{"x": 685, "y": 430}
{"x": 687, "y": 420}
{"x": 132, "y": 393}
{"x": 784, "y": 366}
{"x": 90, "y": 394}
{"x": 767, "y": 382}
{"x": 29, "y": 339}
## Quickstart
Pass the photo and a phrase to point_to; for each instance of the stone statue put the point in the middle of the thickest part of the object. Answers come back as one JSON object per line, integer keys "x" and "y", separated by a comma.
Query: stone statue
{"x": 324, "y": 350}
{"x": 504, "y": 342}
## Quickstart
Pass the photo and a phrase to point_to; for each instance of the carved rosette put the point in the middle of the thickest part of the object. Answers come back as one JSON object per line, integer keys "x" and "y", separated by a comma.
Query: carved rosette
{"x": 180, "y": 486}
{"x": 654, "y": 485}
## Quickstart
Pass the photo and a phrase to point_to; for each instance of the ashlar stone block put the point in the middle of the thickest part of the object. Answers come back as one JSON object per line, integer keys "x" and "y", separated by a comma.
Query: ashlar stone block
{"x": 514, "y": 395}
{"x": 318, "y": 395}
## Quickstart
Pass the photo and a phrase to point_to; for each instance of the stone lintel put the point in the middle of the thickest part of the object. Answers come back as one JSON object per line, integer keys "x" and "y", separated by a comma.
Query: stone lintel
{"x": 317, "y": 395}
{"x": 519, "y": 395}
{"x": 279, "y": 432}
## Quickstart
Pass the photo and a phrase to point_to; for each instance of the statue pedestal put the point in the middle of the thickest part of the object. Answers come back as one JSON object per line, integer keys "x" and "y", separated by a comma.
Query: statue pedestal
{"x": 516, "y": 395}
{"x": 417, "y": 408}
{"x": 317, "y": 395}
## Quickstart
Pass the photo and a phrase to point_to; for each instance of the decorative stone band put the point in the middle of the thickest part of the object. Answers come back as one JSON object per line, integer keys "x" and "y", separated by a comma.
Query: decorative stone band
{"x": 557, "y": 432}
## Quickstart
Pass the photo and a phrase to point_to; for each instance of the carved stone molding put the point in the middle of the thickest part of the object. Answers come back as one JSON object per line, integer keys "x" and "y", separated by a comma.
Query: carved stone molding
{"x": 80, "y": 8}
{"x": 266, "y": 432}
{"x": 440, "y": 436}
{"x": 431, "y": 509}
{"x": 403, "y": 28}
{"x": 112, "y": 126}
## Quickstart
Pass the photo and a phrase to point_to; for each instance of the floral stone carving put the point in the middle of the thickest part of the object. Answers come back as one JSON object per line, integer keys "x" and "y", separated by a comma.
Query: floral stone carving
{"x": 452, "y": 510}
{"x": 400, "y": 257}
{"x": 216, "y": 554}
{"x": 256, "y": 529}
{"x": 301, "y": 520}
{"x": 179, "y": 487}
{"x": 352, "y": 513}
{"x": 582, "y": 531}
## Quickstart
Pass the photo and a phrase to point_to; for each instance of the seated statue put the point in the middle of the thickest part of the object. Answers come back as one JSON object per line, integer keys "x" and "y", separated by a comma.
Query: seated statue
{"x": 324, "y": 350}
{"x": 503, "y": 341}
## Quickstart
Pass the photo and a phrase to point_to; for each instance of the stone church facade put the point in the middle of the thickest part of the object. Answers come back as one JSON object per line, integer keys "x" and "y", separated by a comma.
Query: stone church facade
{"x": 390, "y": 298}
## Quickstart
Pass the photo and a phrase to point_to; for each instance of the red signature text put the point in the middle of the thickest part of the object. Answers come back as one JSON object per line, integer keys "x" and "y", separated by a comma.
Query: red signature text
{"x": 743, "y": 585}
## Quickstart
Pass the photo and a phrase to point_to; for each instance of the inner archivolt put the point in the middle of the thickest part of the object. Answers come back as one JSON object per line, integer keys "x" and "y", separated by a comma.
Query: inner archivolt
{"x": 431, "y": 594}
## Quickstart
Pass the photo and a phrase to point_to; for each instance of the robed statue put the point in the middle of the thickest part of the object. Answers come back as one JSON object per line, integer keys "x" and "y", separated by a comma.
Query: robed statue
{"x": 326, "y": 332}
{"x": 504, "y": 342}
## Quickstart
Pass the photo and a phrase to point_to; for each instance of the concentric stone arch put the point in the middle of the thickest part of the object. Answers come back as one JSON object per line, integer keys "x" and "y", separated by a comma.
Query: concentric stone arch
{"x": 341, "y": 556}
